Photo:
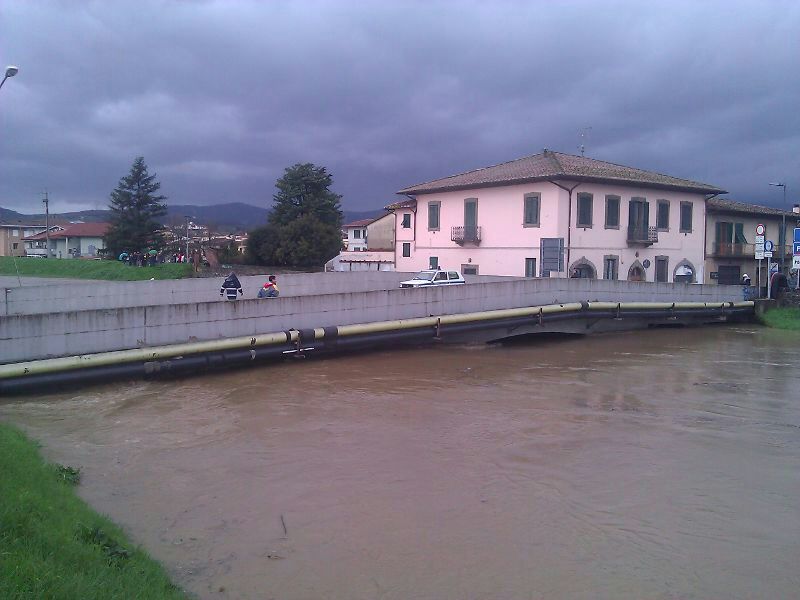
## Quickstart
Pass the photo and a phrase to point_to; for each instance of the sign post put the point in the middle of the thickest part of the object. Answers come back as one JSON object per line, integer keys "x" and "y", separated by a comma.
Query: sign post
{"x": 796, "y": 255}
{"x": 759, "y": 252}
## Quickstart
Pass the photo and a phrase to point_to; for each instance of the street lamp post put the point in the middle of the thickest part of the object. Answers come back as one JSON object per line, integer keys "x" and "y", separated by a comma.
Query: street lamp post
{"x": 783, "y": 225}
{"x": 11, "y": 70}
{"x": 187, "y": 238}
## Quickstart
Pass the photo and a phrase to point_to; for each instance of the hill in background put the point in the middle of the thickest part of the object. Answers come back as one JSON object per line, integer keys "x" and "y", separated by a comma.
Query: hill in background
{"x": 229, "y": 217}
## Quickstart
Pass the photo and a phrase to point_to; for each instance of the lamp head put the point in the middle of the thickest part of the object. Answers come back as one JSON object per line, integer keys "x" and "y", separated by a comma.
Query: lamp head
{"x": 11, "y": 70}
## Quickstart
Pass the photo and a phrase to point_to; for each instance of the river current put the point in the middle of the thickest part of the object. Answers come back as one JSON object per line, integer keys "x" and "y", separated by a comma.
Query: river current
{"x": 662, "y": 464}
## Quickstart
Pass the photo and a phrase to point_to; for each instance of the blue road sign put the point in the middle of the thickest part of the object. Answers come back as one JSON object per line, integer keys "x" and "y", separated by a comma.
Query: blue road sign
{"x": 797, "y": 235}
{"x": 796, "y": 248}
{"x": 769, "y": 246}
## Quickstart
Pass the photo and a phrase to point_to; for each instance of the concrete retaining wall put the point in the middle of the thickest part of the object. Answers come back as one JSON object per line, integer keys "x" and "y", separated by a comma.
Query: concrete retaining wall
{"x": 30, "y": 337}
{"x": 89, "y": 295}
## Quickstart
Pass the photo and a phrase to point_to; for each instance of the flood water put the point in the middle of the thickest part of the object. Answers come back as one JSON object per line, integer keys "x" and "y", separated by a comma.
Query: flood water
{"x": 661, "y": 464}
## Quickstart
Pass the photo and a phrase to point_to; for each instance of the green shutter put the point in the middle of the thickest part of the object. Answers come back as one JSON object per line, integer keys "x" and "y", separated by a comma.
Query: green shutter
{"x": 740, "y": 239}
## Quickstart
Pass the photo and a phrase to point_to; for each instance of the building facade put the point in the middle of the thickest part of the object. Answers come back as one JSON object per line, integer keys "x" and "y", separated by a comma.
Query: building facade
{"x": 12, "y": 237}
{"x": 77, "y": 240}
{"x": 369, "y": 246}
{"x": 556, "y": 215}
{"x": 730, "y": 240}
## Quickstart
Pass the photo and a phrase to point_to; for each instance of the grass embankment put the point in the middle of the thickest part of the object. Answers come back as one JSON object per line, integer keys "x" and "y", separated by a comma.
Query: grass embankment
{"x": 112, "y": 270}
{"x": 52, "y": 545}
{"x": 782, "y": 318}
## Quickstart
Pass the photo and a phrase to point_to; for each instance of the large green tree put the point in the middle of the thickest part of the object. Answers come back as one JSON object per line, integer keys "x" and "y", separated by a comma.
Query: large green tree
{"x": 304, "y": 226}
{"x": 136, "y": 206}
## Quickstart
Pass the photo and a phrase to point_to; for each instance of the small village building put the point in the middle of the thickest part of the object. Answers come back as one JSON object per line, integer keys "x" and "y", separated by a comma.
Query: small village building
{"x": 12, "y": 236}
{"x": 556, "y": 215}
{"x": 730, "y": 240}
{"x": 76, "y": 240}
{"x": 369, "y": 246}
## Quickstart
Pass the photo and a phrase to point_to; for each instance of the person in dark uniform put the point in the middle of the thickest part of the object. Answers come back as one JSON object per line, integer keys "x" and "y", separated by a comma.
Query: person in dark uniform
{"x": 230, "y": 287}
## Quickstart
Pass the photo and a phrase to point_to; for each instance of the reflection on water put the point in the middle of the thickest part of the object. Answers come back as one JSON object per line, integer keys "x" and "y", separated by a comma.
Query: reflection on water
{"x": 661, "y": 464}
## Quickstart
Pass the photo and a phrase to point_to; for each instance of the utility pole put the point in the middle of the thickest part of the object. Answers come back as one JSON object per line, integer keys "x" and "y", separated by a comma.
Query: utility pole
{"x": 782, "y": 236}
{"x": 46, "y": 201}
{"x": 187, "y": 237}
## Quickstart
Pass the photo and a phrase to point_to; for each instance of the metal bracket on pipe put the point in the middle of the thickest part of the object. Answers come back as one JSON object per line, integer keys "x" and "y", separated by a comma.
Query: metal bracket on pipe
{"x": 541, "y": 317}
{"x": 437, "y": 336}
{"x": 672, "y": 316}
{"x": 618, "y": 316}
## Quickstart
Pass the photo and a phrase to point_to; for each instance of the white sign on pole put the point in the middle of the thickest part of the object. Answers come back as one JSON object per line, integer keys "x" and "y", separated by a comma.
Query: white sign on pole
{"x": 796, "y": 262}
{"x": 760, "y": 229}
{"x": 767, "y": 253}
{"x": 759, "y": 239}
{"x": 760, "y": 254}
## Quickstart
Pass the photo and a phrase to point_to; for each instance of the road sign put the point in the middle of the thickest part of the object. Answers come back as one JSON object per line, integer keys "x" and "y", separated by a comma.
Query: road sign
{"x": 767, "y": 254}
{"x": 796, "y": 248}
{"x": 760, "y": 229}
{"x": 759, "y": 239}
{"x": 796, "y": 262}
{"x": 773, "y": 268}
{"x": 769, "y": 246}
{"x": 797, "y": 234}
{"x": 759, "y": 255}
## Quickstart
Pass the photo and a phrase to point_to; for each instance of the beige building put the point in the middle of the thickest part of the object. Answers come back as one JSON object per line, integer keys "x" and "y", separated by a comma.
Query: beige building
{"x": 12, "y": 234}
{"x": 369, "y": 246}
{"x": 730, "y": 240}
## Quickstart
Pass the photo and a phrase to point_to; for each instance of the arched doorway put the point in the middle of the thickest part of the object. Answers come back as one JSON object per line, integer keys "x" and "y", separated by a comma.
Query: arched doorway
{"x": 684, "y": 272}
{"x": 582, "y": 269}
{"x": 637, "y": 272}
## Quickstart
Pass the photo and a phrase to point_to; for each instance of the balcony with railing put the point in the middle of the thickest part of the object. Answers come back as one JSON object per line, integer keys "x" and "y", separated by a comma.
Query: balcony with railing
{"x": 642, "y": 236}
{"x": 733, "y": 250}
{"x": 466, "y": 234}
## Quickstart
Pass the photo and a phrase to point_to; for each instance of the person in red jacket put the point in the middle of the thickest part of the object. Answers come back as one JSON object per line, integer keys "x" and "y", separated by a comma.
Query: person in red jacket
{"x": 270, "y": 289}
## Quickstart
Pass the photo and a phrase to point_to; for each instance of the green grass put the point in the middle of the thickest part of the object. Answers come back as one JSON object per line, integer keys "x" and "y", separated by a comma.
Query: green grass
{"x": 112, "y": 270}
{"x": 52, "y": 545}
{"x": 782, "y": 318}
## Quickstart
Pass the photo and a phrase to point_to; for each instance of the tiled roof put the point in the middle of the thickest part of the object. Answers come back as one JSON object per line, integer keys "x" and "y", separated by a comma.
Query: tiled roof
{"x": 555, "y": 166}
{"x": 407, "y": 203}
{"x": 74, "y": 230}
{"x": 361, "y": 223}
{"x": 724, "y": 205}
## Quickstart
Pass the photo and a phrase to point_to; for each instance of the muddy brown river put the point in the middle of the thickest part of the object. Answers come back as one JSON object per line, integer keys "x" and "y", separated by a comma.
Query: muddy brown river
{"x": 661, "y": 464}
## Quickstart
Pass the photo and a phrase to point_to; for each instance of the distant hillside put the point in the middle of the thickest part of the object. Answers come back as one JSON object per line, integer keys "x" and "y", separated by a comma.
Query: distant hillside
{"x": 233, "y": 216}
{"x": 236, "y": 215}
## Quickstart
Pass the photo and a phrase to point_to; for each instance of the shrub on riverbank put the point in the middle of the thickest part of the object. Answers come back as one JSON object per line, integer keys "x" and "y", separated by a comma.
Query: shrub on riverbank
{"x": 782, "y": 318}
{"x": 112, "y": 270}
{"x": 52, "y": 545}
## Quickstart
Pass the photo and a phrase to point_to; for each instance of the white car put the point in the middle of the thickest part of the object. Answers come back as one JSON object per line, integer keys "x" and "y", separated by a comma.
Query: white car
{"x": 433, "y": 277}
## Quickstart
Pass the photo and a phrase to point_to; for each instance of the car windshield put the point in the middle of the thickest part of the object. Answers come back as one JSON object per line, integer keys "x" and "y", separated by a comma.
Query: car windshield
{"x": 425, "y": 275}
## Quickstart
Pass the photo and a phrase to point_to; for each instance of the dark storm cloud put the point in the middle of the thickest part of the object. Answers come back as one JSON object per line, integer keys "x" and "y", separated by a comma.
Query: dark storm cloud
{"x": 220, "y": 97}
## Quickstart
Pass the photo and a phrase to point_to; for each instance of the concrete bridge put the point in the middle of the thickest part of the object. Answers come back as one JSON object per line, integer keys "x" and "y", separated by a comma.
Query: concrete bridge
{"x": 153, "y": 319}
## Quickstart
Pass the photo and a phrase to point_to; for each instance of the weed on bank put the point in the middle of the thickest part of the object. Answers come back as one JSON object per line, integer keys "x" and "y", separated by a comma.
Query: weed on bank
{"x": 52, "y": 545}
{"x": 111, "y": 270}
{"x": 782, "y": 318}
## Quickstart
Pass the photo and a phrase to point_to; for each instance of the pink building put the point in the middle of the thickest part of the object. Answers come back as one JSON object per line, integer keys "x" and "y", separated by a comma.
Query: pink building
{"x": 556, "y": 215}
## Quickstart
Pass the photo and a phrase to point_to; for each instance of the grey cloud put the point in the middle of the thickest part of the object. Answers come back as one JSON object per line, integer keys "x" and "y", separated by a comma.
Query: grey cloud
{"x": 221, "y": 96}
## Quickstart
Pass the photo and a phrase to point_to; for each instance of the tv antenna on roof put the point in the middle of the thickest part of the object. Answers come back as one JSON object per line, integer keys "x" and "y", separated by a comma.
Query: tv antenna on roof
{"x": 583, "y": 135}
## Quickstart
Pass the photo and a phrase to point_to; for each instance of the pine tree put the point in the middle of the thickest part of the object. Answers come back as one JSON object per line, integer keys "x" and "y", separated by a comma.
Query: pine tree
{"x": 304, "y": 227}
{"x": 135, "y": 208}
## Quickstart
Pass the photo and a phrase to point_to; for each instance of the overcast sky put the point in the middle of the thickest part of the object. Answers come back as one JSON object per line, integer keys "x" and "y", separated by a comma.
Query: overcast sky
{"x": 220, "y": 97}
